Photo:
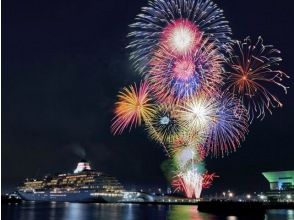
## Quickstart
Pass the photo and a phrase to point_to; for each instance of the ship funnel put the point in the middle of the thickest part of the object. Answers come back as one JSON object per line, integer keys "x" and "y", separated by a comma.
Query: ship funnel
{"x": 82, "y": 166}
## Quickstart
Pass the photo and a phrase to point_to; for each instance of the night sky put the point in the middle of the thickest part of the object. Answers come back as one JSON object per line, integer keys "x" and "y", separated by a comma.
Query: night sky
{"x": 63, "y": 63}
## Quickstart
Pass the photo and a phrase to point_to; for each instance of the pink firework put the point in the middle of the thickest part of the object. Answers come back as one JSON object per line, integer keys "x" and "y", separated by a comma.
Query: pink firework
{"x": 184, "y": 68}
{"x": 177, "y": 77}
{"x": 181, "y": 37}
{"x": 178, "y": 24}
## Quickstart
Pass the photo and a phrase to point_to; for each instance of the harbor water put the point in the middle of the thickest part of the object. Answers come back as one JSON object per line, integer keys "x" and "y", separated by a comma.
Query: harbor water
{"x": 81, "y": 211}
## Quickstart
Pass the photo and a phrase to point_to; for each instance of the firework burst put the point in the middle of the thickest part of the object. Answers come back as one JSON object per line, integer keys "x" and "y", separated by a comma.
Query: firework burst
{"x": 252, "y": 72}
{"x": 177, "y": 77}
{"x": 164, "y": 125}
{"x": 178, "y": 23}
{"x": 181, "y": 37}
{"x": 186, "y": 154}
{"x": 208, "y": 179}
{"x": 201, "y": 89}
{"x": 229, "y": 128}
{"x": 133, "y": 106}
{"x": 189, "y": 139}
{"x": 188, "y": 148}
{"x": 199, "y": 113}
{"x": 184, "y": 184}
{"x": 190, "y": 180}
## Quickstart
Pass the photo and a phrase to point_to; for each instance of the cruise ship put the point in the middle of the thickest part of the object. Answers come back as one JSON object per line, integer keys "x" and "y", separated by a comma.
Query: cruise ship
{"x": 83, "y": 185}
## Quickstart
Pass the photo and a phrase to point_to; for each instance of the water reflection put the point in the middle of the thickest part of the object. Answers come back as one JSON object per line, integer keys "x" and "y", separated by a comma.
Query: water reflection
{"x": 188, "y": 213}
{"x": 75, "y": 211}
{"x": 52, "y": 212}
{"x": 29, "y": 212}
{"x": 79, "y": 211}
{"x": 280, "y": 214}
{"x": 191, "y": 213}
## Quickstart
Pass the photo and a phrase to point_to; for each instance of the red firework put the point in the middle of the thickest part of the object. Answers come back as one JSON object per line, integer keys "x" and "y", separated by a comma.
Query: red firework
{"x": 193, "y": 188}
{"x": 201, "y": 152}
{"x": 208, "y": 179}
{"x": 179, "y": 185}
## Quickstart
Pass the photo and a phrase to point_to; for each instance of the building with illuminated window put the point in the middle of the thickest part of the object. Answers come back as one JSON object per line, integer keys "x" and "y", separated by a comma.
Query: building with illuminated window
{"x": 281, "y": 185}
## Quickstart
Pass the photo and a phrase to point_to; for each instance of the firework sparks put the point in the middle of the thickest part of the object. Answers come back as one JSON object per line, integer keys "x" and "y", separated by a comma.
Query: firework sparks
{"x": 208, "y": 179}
{"x": 190, "y": 181}
{"x": 180, "y": 184}
{"x": 230, "y": 127}
{"x": 185, "y": 155}
{"x": 133, "y": 106}
{"x": 252, "y": 69}
{"x": 197, "y": 107}
{"x": 177, "y": 77}
{"x": 199, "y": 113}
{"x": 178, "y": 23}
{"x": 188, "y": 148}
{"x": 164, "y": 125}
{"x": 181, "y": 37}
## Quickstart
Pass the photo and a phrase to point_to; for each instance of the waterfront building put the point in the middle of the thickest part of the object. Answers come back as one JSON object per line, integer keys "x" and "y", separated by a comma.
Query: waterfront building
{"x": 281, "y": 185}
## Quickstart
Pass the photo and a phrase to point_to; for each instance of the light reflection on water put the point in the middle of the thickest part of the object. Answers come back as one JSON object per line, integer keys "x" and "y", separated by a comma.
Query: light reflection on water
{"x": 280, "y": 214}
{"x": 79, "y": 211}
{"x": 188, "y": 213}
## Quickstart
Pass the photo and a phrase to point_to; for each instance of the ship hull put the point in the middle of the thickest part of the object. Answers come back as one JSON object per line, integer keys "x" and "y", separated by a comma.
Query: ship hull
{"x": 83, "y": 197}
